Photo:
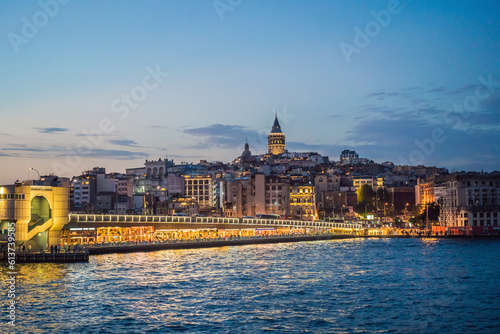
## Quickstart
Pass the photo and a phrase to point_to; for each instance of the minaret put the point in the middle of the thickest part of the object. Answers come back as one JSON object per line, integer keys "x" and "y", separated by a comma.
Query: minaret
{"x": 276, "y": 139}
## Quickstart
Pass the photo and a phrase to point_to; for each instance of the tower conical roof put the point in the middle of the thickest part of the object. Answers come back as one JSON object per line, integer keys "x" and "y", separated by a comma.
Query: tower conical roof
{"x": 276, "y": 126}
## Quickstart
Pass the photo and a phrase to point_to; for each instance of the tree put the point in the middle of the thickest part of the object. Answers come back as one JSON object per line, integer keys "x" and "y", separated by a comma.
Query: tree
{"x": 383, "y": 195}
{"x": 417, "y": 221}
{"x": 431, "y": 211}
{"x": 366, "y": 199}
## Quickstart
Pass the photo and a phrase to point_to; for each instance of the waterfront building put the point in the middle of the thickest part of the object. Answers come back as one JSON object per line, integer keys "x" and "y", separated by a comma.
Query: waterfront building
{"x": 471, "y": 200}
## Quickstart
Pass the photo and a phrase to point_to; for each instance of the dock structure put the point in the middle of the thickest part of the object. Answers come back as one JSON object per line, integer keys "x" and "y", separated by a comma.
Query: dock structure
{"x": 39, "y": 257}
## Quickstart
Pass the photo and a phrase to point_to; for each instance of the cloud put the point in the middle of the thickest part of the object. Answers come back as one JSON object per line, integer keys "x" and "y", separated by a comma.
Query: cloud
{"x": 5, "y": 134}
{"x": 123, "y": 142}
{"x": 24, "y": 148}
{"x": 19, "y": 150}
{"x": 223, "y": 136}
{"x": 437, "y": 90}
{"x": 401, "y": 125}
{"x": 115, "y": 154}
{"x": 59, "y": 151}
{"x": 402, "y": 138}
{"x": 382, "y": 93}
{"x": 461, "y": 90}
{"x": 94, "y": 134}
{"x": 52, "y": 130}
{"x": 156, "y": 127}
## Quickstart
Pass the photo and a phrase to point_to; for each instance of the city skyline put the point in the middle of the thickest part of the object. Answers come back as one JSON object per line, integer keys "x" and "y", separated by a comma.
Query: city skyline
{"x": 111, "y": 85}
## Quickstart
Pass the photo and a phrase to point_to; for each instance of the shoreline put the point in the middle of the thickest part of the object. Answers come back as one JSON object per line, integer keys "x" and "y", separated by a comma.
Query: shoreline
{"x": 258, "y": 241}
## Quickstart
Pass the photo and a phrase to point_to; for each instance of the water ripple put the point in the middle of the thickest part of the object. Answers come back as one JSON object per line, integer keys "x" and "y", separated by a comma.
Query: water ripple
{"x": 345, "y": 286}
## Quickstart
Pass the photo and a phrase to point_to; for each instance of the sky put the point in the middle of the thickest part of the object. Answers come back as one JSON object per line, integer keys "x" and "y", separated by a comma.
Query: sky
{"x": 112, "y": 83}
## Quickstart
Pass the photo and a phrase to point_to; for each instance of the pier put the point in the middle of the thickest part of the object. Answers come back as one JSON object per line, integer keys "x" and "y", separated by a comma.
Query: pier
{"x": 48, "y": 257}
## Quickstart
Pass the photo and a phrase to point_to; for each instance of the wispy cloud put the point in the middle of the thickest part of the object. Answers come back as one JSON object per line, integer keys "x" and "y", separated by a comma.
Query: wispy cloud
{"x": 123, "y": 142}
{"x": 437, "y": 90}
{"x": 95, "y": 134}
{"x": 60, "y": 151}
{"x": 380, "y": 93}
{"x": 114, "y": 154}
{"x": 52, "y": 130}
{"x": 156, "y": 127}
{"x": 223, "y": 136}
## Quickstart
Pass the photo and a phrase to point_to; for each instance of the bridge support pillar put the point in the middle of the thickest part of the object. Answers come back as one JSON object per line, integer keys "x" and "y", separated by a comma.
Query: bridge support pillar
{"x": 54, "y": 238}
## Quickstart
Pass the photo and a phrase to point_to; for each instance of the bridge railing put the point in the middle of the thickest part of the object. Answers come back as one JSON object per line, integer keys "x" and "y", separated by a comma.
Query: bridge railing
{"x": 103, "y": 218}
{"x": 99, "y": 218}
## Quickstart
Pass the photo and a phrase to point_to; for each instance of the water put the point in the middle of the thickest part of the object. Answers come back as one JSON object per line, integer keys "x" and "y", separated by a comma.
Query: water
{"x": 344, "y": 286}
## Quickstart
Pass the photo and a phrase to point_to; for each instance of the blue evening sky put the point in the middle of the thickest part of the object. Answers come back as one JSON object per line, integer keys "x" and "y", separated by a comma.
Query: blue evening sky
{"x": 412, "y": 90}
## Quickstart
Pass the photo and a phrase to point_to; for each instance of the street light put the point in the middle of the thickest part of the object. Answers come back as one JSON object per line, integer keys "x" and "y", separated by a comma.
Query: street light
{"x": 31, "y": 168}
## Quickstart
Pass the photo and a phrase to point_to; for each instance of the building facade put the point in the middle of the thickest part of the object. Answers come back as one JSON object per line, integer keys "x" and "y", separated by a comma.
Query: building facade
{"x": 302, "y": 200}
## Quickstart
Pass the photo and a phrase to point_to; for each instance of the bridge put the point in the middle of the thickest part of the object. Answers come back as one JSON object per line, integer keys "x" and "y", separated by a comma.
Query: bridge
{"x": 187, "y": 222}
{"x": 40, "y": 215}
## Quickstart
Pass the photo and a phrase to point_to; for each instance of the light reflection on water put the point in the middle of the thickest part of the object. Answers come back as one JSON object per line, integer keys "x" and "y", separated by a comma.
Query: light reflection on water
{"x": 359, "y": 285}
